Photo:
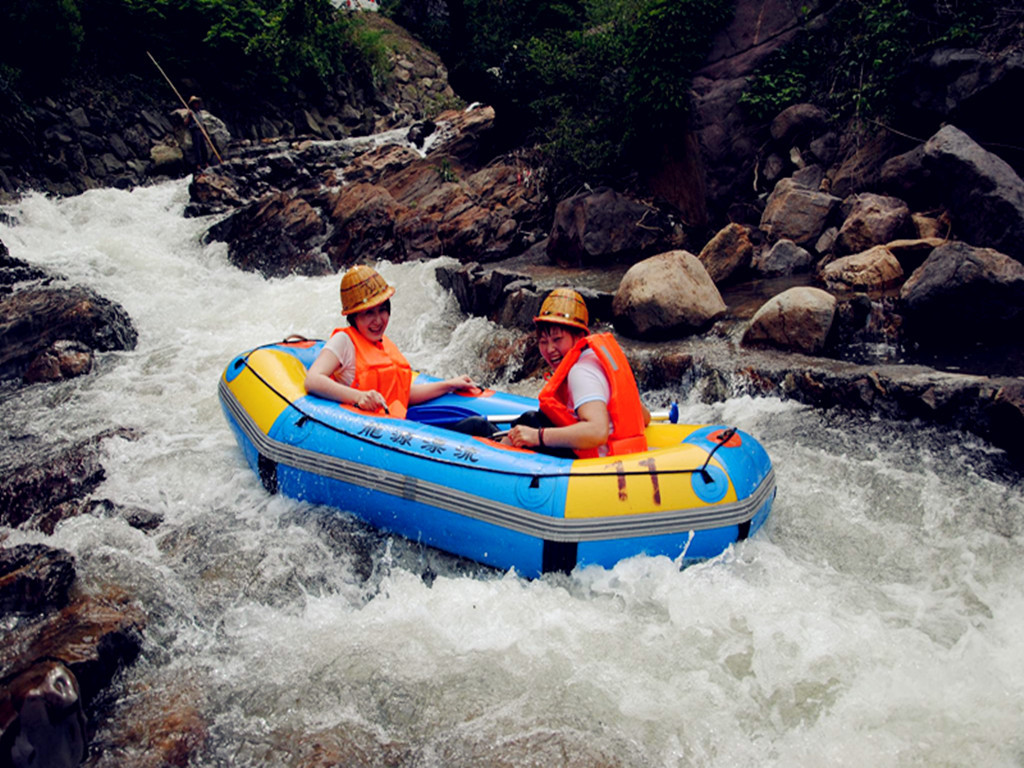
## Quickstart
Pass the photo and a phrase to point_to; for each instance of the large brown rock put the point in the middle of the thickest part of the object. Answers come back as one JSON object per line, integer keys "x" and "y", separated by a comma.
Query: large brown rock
{"x": 37, "y": 480}
{"x": 32, "y": 319}
{"x": 64, "y": 359}
{"x": 277, "y": 236}
{"x": 784, "y": 258}
{"x": 728, "y": 254}
{"x": 363, "y": 222}
{"x": 670, "y": 294}
{"x": 872, "y": 270}
{"x": 798, "y": 124}
{"x": 797, "y": 213}
{"x": 871, "y": 220}
{"x": 41, "y": 718}
{"x": 94, "y": 635}
{"x": 34, "y": 577}
{"x": 602, "y": 226}
{"x": 798, "y": 319}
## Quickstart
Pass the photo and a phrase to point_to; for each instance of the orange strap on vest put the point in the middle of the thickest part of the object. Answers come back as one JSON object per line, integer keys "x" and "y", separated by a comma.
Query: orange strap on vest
{"x": 624, "y": 407}
{"x": 383, "y": 368}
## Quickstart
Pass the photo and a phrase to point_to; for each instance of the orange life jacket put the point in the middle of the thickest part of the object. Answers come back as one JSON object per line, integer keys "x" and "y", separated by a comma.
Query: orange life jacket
{"x": 381, "y": 367}
{"x": 624, "y": 408}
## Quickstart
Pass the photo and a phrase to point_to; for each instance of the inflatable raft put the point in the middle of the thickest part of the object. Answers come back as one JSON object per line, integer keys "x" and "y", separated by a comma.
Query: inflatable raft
{"x": 696, "y": 490}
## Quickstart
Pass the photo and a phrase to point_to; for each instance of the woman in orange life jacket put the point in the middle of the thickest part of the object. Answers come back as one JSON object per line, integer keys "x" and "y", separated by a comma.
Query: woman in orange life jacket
{"x": 361, "y": 366}
{"x": 590, "y": 404}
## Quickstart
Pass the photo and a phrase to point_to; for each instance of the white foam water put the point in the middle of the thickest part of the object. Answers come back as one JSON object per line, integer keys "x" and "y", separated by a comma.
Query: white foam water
{"x": 877, "y": 619}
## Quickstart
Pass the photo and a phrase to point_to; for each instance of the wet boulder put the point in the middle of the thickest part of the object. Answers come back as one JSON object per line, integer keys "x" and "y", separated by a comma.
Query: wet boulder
{"x": 728, "y": 255}
{"x": 363, "y": 216}
{"x": 871, "y": 220}
{"x": 983, "y": 193}
{"x": 962, "y": 293}
{"x": 667, "y": 295}
{"x": 64, "y": 359}
{"x": 94, "y": 636}
{"x": 784, "y": 258}
{"x": 603, "y": 226}
{"x": 798, "y": 213}
{"x": 34, "y": 577}
{"x": 41, "y": 718}
{"x": 33, "y": 318}
{"x": 35, "y": 492}
{"x": 797, "y": 320}
{"x": 872, "y": 270}
{"x": 275, "y": 236}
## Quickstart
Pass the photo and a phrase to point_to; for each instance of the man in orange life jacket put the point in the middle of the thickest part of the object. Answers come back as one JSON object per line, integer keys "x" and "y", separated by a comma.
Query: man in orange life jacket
{"x": 361, "y": 366}
{"x": 591, "y": 400}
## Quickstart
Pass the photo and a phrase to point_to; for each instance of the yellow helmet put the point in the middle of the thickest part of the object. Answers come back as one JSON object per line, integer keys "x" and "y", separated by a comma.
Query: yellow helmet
{"x": 363, "y": 288}
{"x": 565, "y": 307}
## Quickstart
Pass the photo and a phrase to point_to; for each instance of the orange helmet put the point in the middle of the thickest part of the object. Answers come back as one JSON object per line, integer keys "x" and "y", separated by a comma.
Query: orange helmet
{"x": 363, "y": 288}
{"x": 565, "y": 307}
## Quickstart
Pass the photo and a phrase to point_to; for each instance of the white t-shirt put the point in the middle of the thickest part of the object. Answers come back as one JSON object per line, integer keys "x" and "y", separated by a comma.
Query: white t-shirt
{"x": 587, "y": 382}
{"x": 341, "y": 346}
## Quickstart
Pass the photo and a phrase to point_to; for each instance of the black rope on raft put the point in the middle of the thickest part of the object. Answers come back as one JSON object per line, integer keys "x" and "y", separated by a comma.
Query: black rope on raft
{"x": 723, "y": 438}
{"x": 535, "y": 476}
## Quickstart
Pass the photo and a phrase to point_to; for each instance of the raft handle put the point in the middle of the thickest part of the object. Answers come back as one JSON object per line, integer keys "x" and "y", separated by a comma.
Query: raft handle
{"x": 723, "y": 438}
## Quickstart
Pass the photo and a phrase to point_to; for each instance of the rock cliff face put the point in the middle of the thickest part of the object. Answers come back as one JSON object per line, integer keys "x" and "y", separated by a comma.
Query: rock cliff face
{"x": 732, "y": 159}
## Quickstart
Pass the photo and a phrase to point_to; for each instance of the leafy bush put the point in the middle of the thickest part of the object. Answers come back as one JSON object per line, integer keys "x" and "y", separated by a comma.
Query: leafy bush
{"x": 302, "y": 40}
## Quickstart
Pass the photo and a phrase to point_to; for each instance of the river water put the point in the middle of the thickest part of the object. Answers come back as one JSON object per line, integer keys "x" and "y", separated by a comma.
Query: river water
{"x": 877, "y": 619}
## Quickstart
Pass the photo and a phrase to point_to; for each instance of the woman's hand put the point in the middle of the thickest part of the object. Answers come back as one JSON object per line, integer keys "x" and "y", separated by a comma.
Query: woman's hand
{"x": 460, "y": 383}
{"x": 524, "y": 437}
{"x": 370, "y": 400}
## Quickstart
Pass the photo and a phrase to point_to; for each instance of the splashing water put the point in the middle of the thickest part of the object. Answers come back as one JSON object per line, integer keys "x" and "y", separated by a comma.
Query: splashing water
{"x": 877, "y": 619}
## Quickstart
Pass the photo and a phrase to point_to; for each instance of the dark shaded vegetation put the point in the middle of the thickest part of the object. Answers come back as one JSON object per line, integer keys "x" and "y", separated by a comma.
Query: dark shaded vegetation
{"x": 852, "y": 64}
{"x": 236, "y": 45}
{"x": 592, "y": 82}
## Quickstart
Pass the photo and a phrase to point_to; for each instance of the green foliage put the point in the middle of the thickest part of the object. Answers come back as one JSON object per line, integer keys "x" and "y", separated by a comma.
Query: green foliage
{"x": 446, "y": 172}
{"x": 851, "y": 67}
{"x": 302, "y": 40}
{"x": 628, "y": 86}
{"x": 250, "y": 43}
{"x": 592, "y": 81}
